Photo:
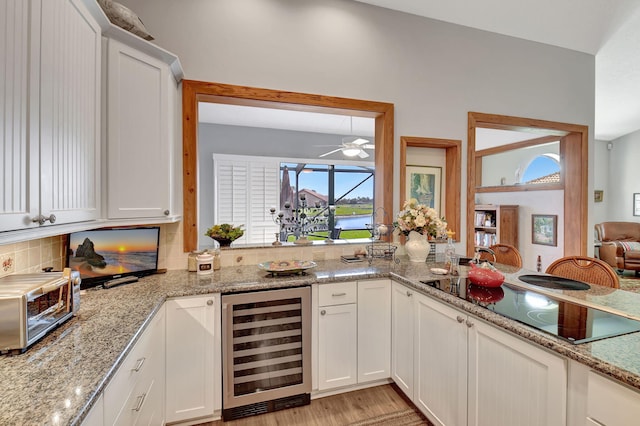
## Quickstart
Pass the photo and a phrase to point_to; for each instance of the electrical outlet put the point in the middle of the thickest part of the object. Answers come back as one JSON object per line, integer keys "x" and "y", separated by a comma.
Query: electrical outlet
{"x": 7, "y": 264}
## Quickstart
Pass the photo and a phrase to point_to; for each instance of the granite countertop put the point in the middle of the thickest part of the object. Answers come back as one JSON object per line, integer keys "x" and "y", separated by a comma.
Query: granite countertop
{"x": 58, "y": 379}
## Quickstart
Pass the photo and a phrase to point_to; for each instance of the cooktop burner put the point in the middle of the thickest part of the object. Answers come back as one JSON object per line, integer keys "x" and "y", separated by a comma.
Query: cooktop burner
{"x": 570, "y": 321}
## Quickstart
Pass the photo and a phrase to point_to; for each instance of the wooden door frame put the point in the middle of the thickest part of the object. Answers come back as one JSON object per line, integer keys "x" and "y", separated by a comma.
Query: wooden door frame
{"x": 194, "y": 92}
{"x": 574, "y": 161}
{"x": 453, "y": 169}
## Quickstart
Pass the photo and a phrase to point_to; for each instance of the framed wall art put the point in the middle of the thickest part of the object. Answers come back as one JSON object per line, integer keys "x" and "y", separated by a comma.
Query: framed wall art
{"x": 424, "y": 184}
{"x": 598, "y": 195}
{"x": 636, "y": 204}
{"x": 544, "y": 229}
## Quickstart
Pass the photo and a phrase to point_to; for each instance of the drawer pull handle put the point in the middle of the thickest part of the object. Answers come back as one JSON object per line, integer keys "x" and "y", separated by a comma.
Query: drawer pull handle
{"x": 138, "y": 366}
{"x": 338, "y": 294}
{"x": 460, "y": 319}
{"x": 139, "y": 402}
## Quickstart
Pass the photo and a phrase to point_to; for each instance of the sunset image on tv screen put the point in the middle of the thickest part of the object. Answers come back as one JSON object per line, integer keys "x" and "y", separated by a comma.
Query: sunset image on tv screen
{"x": 113, "y": 251}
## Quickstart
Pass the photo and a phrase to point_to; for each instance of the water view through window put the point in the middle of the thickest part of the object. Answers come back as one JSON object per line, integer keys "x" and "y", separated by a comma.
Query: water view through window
{"x": 342, "y": 194}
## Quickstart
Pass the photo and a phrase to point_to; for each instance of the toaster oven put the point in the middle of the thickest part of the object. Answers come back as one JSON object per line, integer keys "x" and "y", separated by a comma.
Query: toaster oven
{"x": 31, "y": 305}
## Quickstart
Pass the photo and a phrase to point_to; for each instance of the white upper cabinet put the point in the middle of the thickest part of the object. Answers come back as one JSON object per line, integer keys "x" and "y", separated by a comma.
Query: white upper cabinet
{"x": 142, "y": 131}
{"x": 50, "y": 66}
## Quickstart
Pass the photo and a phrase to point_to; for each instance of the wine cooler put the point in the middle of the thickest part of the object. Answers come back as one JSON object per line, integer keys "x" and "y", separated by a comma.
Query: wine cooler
{"x": 266, "y": 351}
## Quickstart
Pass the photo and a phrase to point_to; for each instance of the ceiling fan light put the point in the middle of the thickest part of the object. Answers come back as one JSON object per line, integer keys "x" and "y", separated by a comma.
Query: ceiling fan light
{"x": 360, "y": 141}
{"x": 351, "y": 152}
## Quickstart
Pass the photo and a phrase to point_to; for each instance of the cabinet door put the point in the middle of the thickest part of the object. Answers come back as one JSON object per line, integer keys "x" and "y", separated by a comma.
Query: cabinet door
{"x": 19, "y": 201}
{"x": 193, "y": 380}
{"x": 610, "y": 403}
{"x": 70, "y": 63}
{"x": 374, "y": 330}
{"x": 440, "y": 362}
{"x": 512, "y": 381}
{"x": 402, "y": 328}
{"x": 139, "y": 134}
{"x": 96, "y": 415}
{"x": 337, "y": 337}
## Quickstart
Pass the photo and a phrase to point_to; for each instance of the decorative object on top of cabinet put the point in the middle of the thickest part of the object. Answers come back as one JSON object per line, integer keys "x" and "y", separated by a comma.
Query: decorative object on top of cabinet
{"x": 51, "y": 163}
{"x": 495, "y": 224}
{"x": 381, "y": 229}
{"x": 125, "y": 18}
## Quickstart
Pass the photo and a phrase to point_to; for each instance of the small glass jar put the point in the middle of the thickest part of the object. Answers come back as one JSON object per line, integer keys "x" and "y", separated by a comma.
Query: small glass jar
{"x": 192, "y": 261}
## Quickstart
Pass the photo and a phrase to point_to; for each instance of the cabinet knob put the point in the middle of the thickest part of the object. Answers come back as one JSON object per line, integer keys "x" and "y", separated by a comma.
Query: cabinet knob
{"x": 323, "y": 312}
{"x": 469, "y": 324}
{"x": 409, "y": 294}
{"x": 460, "y": 319}
{"x": 209, "y": 302}
{"x": 166, "y": 212}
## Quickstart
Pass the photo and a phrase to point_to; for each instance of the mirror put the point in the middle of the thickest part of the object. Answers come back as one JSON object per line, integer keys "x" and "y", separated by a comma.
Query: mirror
{"x": 195, "y": 91}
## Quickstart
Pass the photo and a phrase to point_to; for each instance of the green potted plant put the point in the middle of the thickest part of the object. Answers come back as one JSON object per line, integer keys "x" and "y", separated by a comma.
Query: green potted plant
{"x": 225, "y": 233}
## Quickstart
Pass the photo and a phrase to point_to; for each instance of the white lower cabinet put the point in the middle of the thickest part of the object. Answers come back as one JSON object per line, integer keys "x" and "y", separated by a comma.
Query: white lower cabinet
{"x": 353, "y": 333}
{"x": 402, "y": 337}
{"x": 337, "y": 335}
{"x": 193, "y": 349}
{"x": 374, "y": 330}
{"x": 135, "y": 395}
{"x": 611, "y": 403}
{"x": 96, "y": 415}
{"x": 466, "y": 372}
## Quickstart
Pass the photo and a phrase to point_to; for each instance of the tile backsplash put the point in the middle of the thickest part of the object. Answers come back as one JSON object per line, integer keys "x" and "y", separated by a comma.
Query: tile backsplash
{"x": 33, "y": 256}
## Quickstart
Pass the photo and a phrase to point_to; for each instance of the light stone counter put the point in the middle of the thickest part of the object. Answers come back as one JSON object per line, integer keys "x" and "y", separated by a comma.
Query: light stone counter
{"x": 58, "y": 379}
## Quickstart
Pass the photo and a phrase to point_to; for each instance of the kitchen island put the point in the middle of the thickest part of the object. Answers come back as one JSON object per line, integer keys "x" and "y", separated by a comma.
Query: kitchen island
{"x": 58, "y": 379}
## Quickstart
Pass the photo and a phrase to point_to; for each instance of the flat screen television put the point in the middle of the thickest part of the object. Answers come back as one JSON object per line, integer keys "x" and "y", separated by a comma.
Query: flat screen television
{"x": 102, "y": 255}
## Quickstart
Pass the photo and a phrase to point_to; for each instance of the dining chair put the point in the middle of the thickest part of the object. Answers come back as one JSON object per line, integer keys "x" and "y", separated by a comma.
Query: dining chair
{"x": 505, "y": 254}
{"x": 586, "y": 269}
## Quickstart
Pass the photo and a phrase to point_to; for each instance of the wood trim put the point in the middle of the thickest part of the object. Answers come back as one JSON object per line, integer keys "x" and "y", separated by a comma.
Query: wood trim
{"x": 199, "y": 91}
{"x": 574, "y": 160}
{"x": 453, "y": 168}
{"x": 521, "y": 188}
{"x": 516, "y": 145}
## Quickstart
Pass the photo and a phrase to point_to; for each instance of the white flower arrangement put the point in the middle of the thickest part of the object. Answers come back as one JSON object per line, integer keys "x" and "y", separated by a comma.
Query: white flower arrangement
{"x": 420, "y": 218}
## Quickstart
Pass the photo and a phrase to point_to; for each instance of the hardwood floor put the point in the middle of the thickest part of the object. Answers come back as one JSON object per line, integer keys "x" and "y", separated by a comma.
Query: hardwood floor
{"x": 378, "y": 405}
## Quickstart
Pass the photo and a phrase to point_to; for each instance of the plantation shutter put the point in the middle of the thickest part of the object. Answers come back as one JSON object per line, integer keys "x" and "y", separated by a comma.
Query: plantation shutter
{"x": 245, "y": 188}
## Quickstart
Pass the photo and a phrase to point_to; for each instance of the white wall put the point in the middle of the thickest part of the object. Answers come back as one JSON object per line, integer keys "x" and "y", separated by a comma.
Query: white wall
{"x": 532, "y": 202}
{"x": 624, "y": 177}
{"x": 434, "y": 72}
{"x": 601, "y": 169}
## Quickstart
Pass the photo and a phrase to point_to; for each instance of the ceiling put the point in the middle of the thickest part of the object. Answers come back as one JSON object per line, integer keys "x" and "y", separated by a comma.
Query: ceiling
{"x": 610, "y": 30}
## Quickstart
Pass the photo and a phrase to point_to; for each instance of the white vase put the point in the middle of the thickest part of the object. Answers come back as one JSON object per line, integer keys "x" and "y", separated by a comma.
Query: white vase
{"x": 417, "y": 247}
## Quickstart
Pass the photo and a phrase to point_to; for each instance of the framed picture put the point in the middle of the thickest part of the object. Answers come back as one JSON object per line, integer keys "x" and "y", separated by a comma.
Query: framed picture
{"x": 598, "y": 195}
{"x": 544, "y": 229}
{"x": 636, "y": 204}
{"x": 424, "y": 184}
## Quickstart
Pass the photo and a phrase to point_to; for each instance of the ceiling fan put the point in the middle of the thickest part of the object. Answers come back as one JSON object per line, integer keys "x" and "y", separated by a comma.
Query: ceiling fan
{"x": 352, "y": 147}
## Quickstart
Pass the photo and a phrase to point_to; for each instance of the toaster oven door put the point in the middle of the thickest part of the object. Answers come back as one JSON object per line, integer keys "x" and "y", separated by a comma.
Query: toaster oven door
{"x": 47, "y": 307}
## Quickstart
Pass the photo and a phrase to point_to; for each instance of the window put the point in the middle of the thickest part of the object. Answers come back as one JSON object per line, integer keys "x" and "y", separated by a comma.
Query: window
{"x": 544, "y": 168}
{"x": 339, "y": 196}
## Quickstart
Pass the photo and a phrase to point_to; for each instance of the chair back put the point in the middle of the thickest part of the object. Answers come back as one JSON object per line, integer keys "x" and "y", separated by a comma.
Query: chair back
{"x": 585, "y": 269}
{"x": 505, "y": 254}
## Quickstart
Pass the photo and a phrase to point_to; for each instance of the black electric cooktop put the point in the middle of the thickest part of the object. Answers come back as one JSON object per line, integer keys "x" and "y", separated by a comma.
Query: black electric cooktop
{"x": 570, "y": 321}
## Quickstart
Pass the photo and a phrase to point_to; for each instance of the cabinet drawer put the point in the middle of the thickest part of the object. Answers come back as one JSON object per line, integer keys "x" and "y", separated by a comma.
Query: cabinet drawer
{"x": 337, "y": 293}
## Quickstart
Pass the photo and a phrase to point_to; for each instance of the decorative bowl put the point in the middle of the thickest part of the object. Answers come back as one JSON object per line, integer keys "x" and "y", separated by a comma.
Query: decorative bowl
{"x": 485, "y": 276}
{"x": 286, "y": 267}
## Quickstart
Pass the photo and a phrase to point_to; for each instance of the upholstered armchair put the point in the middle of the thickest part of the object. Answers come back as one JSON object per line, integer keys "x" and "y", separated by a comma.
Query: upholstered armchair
{"x": 620, "y": 245}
